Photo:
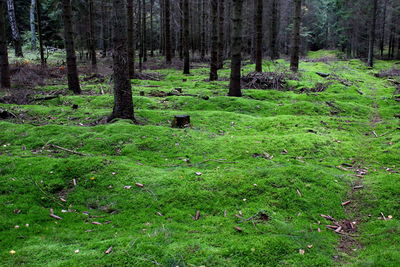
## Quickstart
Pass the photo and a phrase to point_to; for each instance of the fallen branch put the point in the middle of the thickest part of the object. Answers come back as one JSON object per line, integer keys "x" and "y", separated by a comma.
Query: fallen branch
{"x": 67, "y": 150}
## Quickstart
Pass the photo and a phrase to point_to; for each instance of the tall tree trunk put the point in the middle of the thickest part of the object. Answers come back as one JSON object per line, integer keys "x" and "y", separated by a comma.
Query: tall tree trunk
{"x": 130, "y": 44}
{"x": 236, "y": 49}
{"x": 186, "y": 38}
{"x": 372, "y": 35}
{"x": 274, "y": 30}
{"x": 382, "y": 44}
{"x": 14, "y": 29}
{"x": 4, "y": 66}
{"x": 73, "y": 79}
{"x": 203, "y": 30}
{"x": 221, "y": 36}
{"x": 214, "y": 41}
{"x": 92, "y": 42}
{"x": 167, "y": 21}
{"x": 140, "y": 35}
{"x": 123, "y": 104}
{"x": 151, "y": 28}
{"x": 294, "y": 59}
{"x": 32, "y": 12}
{"x": 39, "y": 30}
{"x": 258, "y": 21}
{"x": 104, "y": 34}
{"x": 144, "y": 29}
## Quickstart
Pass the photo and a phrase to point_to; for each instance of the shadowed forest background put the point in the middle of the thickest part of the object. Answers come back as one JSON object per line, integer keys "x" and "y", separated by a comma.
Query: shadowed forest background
{"x": 199, "y": 133}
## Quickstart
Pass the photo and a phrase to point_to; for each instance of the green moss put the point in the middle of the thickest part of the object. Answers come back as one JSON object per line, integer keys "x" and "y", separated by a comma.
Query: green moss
{"x": 308, "y": 135}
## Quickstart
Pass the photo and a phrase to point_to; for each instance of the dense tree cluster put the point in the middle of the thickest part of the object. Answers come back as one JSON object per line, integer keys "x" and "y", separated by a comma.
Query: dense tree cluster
{"x": 188, "y": 30}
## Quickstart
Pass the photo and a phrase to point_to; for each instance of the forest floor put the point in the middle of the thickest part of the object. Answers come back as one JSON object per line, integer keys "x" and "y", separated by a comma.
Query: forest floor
{"x": 245, "y": 185}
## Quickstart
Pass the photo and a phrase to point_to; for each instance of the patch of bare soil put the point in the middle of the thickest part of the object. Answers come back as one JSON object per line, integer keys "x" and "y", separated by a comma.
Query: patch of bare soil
{"x": 267, "y": 80}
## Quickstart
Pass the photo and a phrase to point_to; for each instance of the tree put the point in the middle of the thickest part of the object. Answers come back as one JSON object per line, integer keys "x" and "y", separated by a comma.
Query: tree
{"x": 14, "y": 29}
{"x": 4, "y": 67}
{"x": 123, "y": 104}
{"x": 72, "y": 69}
{"x": 167, "y": 22}
{"x": 186, "y": 59}
{"x": 294, "y": 59}
{"x": 32, "y": 12}
{"x": 39, "y": 31}
{"x": 130, "y": 43}
{"x": 221, "y": 35}
{"x": 92, "y": 42}
{"x": 236, "y": 49}
{"x": 372, "y": 35}
{"x": 144, "y": 30}
{"x": 258, "y": 21}
{"x": 274, "y": 30}
{"x": 214, "y": 41}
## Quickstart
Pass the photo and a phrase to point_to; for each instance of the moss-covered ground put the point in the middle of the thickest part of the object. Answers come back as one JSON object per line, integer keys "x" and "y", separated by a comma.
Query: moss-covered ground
{"x": 309, "y": 146}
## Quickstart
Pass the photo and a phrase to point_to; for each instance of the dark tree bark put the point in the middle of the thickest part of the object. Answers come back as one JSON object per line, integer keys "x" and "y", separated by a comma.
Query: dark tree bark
{"x": 372, "y": 35}
{"x": 167, "y": 21}
{"x": 151, "y": 28}
{"x": 258, "y": 21}
{"x": 236, "y": 49}
{"x": 186, "y": 38}
{"x": 92, "y": 44}
{"x": 214, "y": 41}
{"x": 39, "y": 30}
{"x": 294, "y": 59}
{"x": 130, "y": 44}
{"x": 181, "y": 29}
{"x": 382, "y": 43}
{"x": 221, "y": 36}
{"x": 203, "y": 30}
{"x": 32, "y": 12}
{"x": 4, "y": 66}
{"x": 104, "y": 34}
{"x": 14, "y": 29}
{"x": 144, "y": 32}
{"x": 73, "y": 79}
{"x": 140, "y": 35}
{"x": 274, "y": 30}
{"x": 123, "y": 104}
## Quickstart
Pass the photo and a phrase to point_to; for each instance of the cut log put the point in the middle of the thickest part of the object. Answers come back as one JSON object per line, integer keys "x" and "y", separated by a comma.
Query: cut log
{"x": 181, "y": 121}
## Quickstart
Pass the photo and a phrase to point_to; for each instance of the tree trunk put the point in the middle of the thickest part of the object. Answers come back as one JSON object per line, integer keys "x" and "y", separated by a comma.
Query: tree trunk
{"x": 294, "y": 59}
{"x": 4, "y": 67}
{"x": 382, "y": 44}
{"x": 104, "y": 35}
{"x": 92, "y": 44}
{"x": 203, "y": 31}
{"x": 221, "y": 36}
{"x": 236, "y": 49}
{"x": 167, "y": 21}
{"x": 14, "y": 29}
{"x": 214, "y": 41}
{"x": 73, "y": 79}
{"x": 151, "y": 28}
{"x": 123, "y": 104}
{"x": 372, "y": 35}
{"x": 144, "y": 33}
{"x": 32, "y": 12}
{"x": 186, "y": 59}
{"x": 130, "y": 44}
{"x": 258, "y": 21}
{"x": 274, "y": 30}
{"x": 39, "y": 30}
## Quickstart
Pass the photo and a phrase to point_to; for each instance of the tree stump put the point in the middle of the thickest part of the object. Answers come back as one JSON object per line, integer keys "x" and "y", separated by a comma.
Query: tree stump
{"x": 181, "y": 121}
{"x": 141, "y": 93}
